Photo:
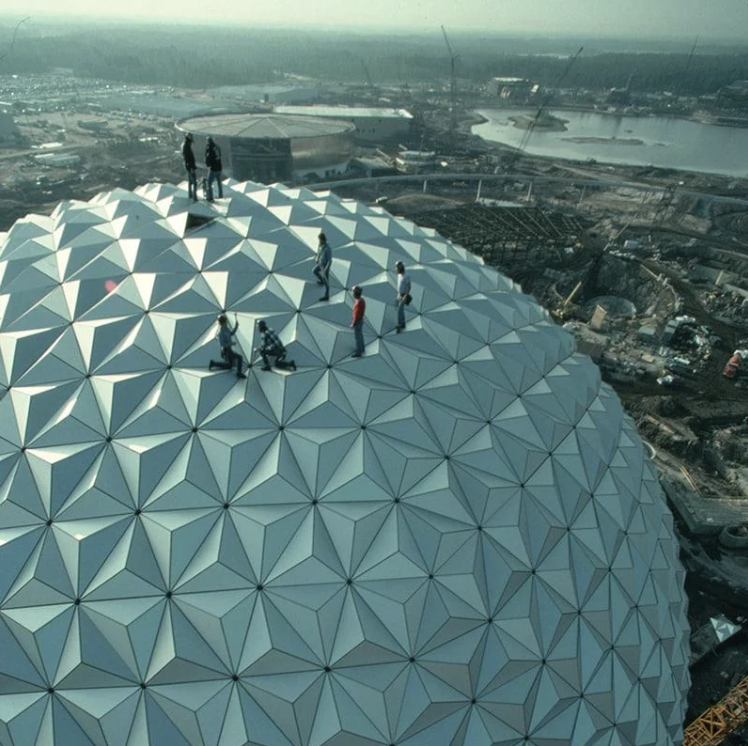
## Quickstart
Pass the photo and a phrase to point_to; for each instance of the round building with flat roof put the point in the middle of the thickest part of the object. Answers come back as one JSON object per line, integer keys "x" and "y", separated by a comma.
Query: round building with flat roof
{"x": 271, "y": 147}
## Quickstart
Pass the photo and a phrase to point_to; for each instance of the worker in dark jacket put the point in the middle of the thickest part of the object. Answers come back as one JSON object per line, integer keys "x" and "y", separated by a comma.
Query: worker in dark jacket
{"x": 215, "y": 167}
{"x": 271, "y": 346}
{"x": 190, "y": 165}
{"x": 322, "y": 264}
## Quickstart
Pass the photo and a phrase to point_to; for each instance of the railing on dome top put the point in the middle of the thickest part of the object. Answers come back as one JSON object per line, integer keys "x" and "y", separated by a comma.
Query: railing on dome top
{"x": 721, "y": 719}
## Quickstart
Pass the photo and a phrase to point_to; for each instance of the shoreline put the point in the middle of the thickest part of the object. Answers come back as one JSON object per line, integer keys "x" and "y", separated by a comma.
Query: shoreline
{"x": 647, "y": 145}
{"x": 613, "y": 140}
{"x": 699, "y": 116}
{"x": 539, "y": 123}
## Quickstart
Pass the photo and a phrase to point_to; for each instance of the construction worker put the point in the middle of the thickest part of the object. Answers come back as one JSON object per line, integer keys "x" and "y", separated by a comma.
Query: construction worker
{"x": 322, "y": 265}
{"x": 271, "y": 346}
{"x": 190, "y": 166}
{"x": 226, "y": 340}
{"x": 357, "y": 321}
{"x": 403, "y": 295}
{"x": 215, "y": 168}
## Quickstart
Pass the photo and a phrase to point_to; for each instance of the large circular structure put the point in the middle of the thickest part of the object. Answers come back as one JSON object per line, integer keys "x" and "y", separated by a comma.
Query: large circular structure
{"x": 456, "y": 539}
{"x": 269, "y": 148}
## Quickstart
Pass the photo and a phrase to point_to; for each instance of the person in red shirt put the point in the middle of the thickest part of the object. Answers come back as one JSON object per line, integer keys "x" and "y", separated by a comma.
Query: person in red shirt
{"x": 357, "y": 322}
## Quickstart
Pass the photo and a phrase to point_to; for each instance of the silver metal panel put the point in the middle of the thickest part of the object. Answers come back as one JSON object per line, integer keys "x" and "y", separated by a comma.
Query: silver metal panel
{"x": 456, "y": 539}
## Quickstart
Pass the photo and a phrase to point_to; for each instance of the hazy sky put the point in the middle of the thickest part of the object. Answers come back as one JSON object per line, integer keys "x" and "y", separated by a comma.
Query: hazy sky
{"x": 661, "y": 18}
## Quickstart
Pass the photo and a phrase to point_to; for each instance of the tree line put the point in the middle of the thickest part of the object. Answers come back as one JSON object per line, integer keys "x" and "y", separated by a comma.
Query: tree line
{"x": 188, "y": 57}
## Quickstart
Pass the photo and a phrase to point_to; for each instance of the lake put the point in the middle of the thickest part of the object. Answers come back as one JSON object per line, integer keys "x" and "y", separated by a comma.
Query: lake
{"x": 659, "y": 141}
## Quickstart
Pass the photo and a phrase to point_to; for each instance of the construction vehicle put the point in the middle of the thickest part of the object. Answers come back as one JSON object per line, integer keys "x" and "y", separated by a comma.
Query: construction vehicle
{"x": 732, "y": 368}
{"x": 728, "y": 715}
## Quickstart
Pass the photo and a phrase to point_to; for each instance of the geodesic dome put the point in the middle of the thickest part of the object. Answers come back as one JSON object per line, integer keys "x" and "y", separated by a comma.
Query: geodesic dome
{"x": 455, "y": 540}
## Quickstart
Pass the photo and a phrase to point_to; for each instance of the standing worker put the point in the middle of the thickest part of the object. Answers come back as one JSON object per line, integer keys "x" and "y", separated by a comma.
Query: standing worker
{"x": 403, "y": 295}
{"x": 357, "y": 322}
{"x": 191, "y": 166}
{"x": 322, "y": 265}
{"x": 226, "y": 341}
{"x": 215, "y": 168}
{"x": 271, "y": 346}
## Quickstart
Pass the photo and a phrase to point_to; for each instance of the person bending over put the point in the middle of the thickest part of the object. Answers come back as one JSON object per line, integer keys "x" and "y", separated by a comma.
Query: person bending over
{"x": 271, "y": 346}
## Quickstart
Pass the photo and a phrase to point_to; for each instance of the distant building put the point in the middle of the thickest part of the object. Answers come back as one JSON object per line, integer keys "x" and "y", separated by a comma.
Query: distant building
{"x": 171, "y": 107}
{"x": 267, "y": 94}
{"x": 372, "y": 166}
{"x": 599, "y": 317}
{"x": 9, "y": 132}
{"x": 647, "y": 335}
{"x": 58, "y": 160}
{"x": 373, "y": 125}
{"x": 511, "y": 88}
{"x": 94, "y": 125}
{"x": 620, "y": 96}
{"x": 736, "y": 93}
{"x": 416, "y": 161}
{"x": 270, "y": 148}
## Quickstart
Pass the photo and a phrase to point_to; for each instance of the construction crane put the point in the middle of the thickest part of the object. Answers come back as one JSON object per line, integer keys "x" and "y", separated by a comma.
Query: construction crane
{"x": 541, "y": 109}
{"x": 688, "y": 66}
{"x": 452, "y": 85}
{"x": 721, "y": 719}
{"x": 565, "y": 308}
{"x": 368, "y": 75}
{"x": 562, "y": 312}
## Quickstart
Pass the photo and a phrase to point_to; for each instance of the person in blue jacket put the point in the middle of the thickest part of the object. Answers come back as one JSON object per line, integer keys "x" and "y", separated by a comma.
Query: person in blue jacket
{"x": 226, "y": 342}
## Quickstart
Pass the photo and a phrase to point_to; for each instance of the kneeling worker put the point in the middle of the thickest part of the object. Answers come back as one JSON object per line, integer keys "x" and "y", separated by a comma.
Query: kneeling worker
{"x": 272, "y": 347}
{"x": 226, "y": 341}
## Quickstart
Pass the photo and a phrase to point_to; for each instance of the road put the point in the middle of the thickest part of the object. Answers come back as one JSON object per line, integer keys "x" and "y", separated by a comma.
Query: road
{"x": 587, "y": 182}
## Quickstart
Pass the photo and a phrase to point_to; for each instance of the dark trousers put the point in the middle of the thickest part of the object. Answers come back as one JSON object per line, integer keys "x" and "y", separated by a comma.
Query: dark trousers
{"x": 323, "y": 275}
{"x": 192, "y": 183}
{"x": 358, "y": 336}
{"x": 278, "y": 354}
{"x": 229, "y": 358}
{"x": 214, "y": 176}
{"x": 401, "y": 310}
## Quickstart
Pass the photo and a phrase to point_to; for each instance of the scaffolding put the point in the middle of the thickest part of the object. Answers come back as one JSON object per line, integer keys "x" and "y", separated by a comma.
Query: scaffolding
{"x": 507, "y": 236}
{"x": 721, "y": 719}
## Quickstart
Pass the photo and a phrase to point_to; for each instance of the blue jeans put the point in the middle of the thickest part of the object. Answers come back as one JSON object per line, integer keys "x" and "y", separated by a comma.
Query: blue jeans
{"x": 215, "y": 176}
{"x": 401, "y": 310}
{"x": 192, "y": 183}
{"x": 229, "y": 358}
{"x": 279, "y": 353}
{"x": 358, "y": 336}
{"x": 323, "y": 276}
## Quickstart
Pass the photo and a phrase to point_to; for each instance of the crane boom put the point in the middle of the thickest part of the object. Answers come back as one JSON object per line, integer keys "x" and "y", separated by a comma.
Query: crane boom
{"x": 541, "y": 109}
{"x": 452, "y": 85}
{"x": 446, "y": 40}
{"x": 367, "y": 74}
{"x": 721, "y": 719}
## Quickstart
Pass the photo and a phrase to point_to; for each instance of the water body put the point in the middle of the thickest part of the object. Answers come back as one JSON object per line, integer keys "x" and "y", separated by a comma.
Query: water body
{"x": 658, "y": 141}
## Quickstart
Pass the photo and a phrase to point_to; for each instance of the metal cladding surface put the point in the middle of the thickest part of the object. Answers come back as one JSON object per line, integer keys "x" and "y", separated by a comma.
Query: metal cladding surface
{"x": 264, "y": 126}
{"x": 454, "y": 540}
